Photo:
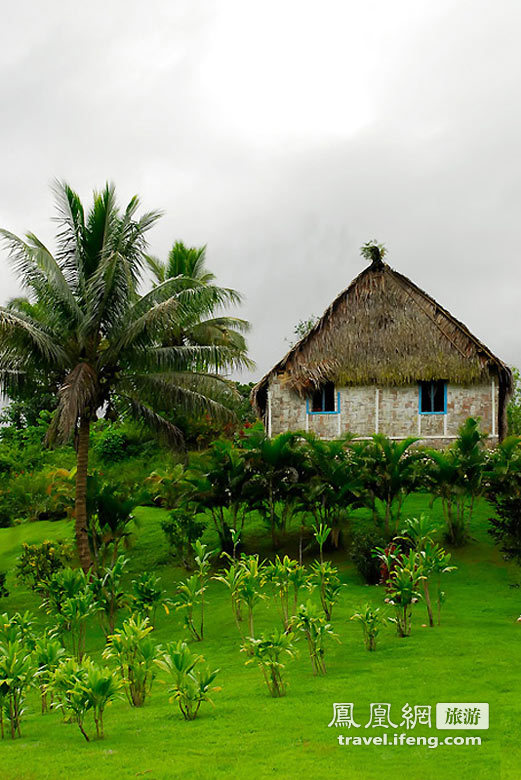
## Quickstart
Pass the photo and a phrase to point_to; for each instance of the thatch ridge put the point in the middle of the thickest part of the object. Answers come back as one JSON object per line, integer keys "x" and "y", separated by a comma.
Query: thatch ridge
{"x": 384, "y": 329}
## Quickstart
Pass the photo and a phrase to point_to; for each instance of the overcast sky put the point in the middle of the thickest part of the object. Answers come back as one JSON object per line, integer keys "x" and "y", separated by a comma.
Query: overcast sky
{"x": 283, "y": 134}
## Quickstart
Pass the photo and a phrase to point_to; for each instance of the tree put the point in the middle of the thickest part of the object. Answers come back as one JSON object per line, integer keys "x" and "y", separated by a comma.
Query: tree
{"x": 185, "y": 266}
{"x": 100, "y": 339}
{"x": 514, "y": 406}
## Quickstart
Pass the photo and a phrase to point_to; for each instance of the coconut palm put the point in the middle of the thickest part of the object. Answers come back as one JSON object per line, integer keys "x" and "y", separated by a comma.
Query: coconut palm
{"x": 100, "y": 340}
{"x": 186, "y": 267}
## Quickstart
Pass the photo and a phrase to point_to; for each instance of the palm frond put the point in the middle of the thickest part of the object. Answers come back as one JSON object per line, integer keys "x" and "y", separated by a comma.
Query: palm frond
{"x": 78, "y": 396}
{"x": 143, "y": 413}
{"x": 23, "y": 331}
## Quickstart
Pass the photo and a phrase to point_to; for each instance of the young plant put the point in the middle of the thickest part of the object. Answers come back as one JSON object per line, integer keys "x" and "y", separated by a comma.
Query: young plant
{"x": 371, "y": 620}
{"x": 110, "y": 594}
{"x": 435, "y": 560}
{"x": 269, "y": 652}
{"x": 135, "y": 653}
{"x": 202, "y": 566}
{"x": 324, "y": 578}
{"x": 48, "y": 653}
{"x": 402, "y": 587}
{"x": 182, "y": 529}
{"x": 71, "y": 620}
{"x": 317, "y": 630}
{"x": 278, "y": 574}
{"x": 101, "y": 686}
{"x": 4, "y": 592}
{"x": 438, "y": 563}
{"x": 192, "y": 682}
{"x": 321, "y": 532}
{"x": 16, "y": 676}
{"x": 188, "y": 596}
{"x": 80, "y": 686}
{"x": 148, "y": 595}
{"x": 190, "y": 593}
{"x": 233, "y": 578}
{"x": 250, "y": 586}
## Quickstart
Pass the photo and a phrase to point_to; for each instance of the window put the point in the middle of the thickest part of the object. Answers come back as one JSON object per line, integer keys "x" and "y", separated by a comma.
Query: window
{"x": 433, "y": 397}
{"x": 323, "y": 399}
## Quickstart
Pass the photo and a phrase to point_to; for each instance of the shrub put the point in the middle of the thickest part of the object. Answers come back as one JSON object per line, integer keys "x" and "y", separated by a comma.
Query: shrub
{"x": 148, "y": 595}
{"x": 285, "y": 575}
{"x": 316, "y": 630}
{"x": 110, "y": 594}
{"x": 269, "y": 652}
{"x": 48, "y": 654}
{"x": 361, "y": 553}
{"x": 83, "y": 686}
{"x": 39, "y": 562}
{"x": 182, "y": 529}
{"x": 135, "y": 653}
{"x": 4, "y": 592}
{"x": 371, "y": 620}
{"x": 191, "y": 681}
{"x": 71, "y": 601}
{"x": 191, "y": 592}
{"x": 324, "y": 578}
{"x": 111, "y": 446}
{"x": 16, "y": 676}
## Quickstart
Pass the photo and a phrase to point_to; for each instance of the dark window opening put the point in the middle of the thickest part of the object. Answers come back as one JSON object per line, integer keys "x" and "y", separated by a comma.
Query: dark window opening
{"x": 432, "y": 397}
{"x": 324, "y": 398}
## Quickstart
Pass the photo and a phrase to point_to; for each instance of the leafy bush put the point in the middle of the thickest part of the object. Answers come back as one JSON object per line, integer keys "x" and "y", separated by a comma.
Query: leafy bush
{"x": 110, "y": 594}
{"x": 316, "y": 629}
{"x": 191, "y": 681}
{"x": 134, "y": 651}
{"x": 16, "y": 676}
{"x": 83, "y": 686}
{"x": 371, "y": 620}
{"x": 111, "y": 446}
{"x": 182, "y": 529}
{"x": 4, "y": 592}
{"x": 269, "y": 652}
{"x": 148, "y": 595}
{"x": 38, "y": 562}
{"x": 110, "y": 509}
{"x": 361, "y": 553}
{"x": 48, "y": 653}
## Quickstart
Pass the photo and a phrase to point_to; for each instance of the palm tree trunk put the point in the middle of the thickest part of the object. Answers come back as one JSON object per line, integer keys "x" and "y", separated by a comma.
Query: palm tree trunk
{"x": 82, "y": 462}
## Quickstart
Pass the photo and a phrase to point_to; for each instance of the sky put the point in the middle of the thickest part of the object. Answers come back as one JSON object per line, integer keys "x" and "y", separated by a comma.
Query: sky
{"x": 283, "y": 135}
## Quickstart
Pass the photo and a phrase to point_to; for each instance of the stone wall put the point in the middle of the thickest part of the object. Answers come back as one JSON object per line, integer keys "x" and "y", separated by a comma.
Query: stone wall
{"x": 393, "y": 411}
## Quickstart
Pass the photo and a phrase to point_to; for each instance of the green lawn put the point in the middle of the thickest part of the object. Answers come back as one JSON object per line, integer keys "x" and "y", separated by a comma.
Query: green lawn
{"x": 473, "y": 656}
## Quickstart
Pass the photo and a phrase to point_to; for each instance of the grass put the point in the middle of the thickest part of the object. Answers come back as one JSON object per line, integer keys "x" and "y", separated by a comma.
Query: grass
{"x": 472, "y": 657}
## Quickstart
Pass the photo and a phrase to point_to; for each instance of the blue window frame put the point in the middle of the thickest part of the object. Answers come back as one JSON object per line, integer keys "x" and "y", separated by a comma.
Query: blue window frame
{"x": 432, "y": 397}
{"x": 324, "y": 400}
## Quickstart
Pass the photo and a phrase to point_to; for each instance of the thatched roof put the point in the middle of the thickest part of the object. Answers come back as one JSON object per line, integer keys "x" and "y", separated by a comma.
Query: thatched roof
{"x": 385, "y": 330}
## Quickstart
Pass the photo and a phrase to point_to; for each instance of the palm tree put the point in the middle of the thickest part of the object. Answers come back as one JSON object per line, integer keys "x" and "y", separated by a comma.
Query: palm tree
{"x": 85, "y": 325}
{"x": 186, "y": 266}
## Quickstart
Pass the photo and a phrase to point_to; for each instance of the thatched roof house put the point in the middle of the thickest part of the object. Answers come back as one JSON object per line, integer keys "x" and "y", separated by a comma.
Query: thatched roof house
{"x": 386, "y": 357}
